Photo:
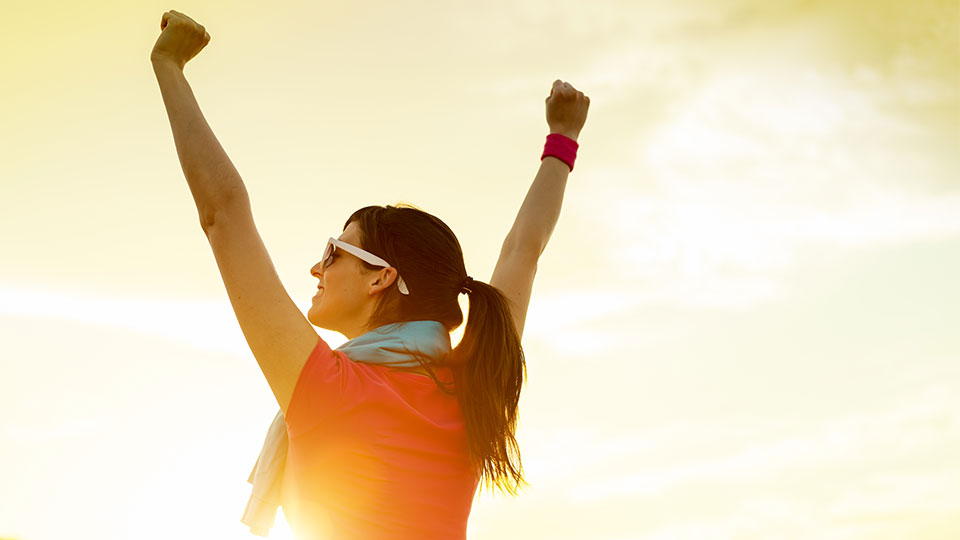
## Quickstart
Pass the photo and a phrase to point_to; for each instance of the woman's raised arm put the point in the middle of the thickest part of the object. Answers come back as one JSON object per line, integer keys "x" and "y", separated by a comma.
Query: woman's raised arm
{"x": 538, "y": 215}
{"x": 566, "y": 114}
{"x": 213, "y": 179}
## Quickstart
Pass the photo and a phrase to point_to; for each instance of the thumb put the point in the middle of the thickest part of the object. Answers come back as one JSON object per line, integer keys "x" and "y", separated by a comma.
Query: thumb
{"x": 164, "y": 19}
{"x": 553, "y": 88}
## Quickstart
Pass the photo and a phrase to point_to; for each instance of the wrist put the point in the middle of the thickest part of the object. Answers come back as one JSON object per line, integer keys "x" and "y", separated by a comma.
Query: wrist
{"x": 163, "y": 62}
{"x": 565, "y": 133}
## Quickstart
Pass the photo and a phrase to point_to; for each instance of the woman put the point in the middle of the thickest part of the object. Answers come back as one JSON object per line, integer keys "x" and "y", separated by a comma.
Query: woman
{"x": 389, "y": 435}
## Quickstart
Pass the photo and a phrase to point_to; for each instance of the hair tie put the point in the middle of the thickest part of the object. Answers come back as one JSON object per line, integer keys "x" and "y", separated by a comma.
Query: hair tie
{"x": 465, "y": 285}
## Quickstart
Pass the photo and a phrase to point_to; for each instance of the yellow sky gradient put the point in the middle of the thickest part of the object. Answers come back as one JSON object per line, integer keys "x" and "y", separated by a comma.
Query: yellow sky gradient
{"x": 745, "y": 325}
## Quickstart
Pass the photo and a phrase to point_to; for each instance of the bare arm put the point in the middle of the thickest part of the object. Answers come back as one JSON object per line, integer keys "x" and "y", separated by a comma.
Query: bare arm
{"x": 211, "y": 175}
{"x": 540, "y": 211}
{"x": 214, "y": 181}
{"x": 566, "y": 109}
{"x": 517, "y": 265}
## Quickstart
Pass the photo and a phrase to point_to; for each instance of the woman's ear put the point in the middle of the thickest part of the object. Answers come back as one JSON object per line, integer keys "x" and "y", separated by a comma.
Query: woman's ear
{"x": 383, "y": 280}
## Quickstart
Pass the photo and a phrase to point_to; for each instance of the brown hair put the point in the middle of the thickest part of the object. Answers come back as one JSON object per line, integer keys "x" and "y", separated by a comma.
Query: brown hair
{"x": 488, "y": 365}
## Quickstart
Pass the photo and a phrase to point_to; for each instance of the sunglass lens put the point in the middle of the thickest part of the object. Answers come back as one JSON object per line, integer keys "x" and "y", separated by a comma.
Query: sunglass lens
{"x": 328, "y": 255}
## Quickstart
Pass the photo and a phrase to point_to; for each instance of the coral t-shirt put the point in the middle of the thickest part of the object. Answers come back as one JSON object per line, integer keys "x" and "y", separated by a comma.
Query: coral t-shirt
{"x": 374, "y": 453}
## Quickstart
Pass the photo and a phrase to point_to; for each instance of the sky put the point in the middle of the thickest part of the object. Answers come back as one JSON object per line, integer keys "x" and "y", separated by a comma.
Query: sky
{"x": 745, "y": 325}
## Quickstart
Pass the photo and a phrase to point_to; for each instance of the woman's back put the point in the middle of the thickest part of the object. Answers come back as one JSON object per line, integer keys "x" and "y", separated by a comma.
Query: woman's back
{"x": 375, "y": 453}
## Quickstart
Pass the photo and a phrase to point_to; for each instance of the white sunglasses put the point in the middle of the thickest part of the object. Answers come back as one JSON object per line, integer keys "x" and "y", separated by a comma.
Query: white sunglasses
{"x": 333, "y": 243}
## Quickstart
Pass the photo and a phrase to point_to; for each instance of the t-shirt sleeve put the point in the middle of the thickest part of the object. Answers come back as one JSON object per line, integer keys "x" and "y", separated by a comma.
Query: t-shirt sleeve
{"x": 327, "y": 381}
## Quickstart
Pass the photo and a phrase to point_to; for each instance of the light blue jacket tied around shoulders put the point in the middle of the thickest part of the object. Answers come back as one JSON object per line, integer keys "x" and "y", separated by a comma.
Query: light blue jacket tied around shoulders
{"x": 392, "y": 344}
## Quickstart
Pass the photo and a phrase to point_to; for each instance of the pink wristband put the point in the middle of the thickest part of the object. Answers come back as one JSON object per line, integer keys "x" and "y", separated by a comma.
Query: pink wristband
{"x": 561, "y": 147}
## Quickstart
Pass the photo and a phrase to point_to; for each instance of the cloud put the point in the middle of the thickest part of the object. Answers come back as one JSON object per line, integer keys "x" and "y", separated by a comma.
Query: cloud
{"x": 899, "y": 493}
{"x": 205, "y": 325}
{"x": 913, "y": 426}
{"x": 925, "y": 507}
{"x": 753, "y": 170}
{"x": 742, "y": 136}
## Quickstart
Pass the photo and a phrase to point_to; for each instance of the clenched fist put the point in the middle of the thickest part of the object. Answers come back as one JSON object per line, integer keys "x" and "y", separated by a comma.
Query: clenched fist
{"x": 181, "y": 38}
{"x": 566, "y": 109}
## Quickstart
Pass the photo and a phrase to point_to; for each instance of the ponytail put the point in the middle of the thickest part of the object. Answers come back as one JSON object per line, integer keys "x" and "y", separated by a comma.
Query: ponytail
{"x": 491, "y": 370}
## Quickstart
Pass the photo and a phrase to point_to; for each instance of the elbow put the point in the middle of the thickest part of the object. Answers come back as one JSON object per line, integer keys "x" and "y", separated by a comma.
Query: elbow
{"x": 238, "y": 202}
{"x": 206, "y": 220}
{"x": 524, "y": 247}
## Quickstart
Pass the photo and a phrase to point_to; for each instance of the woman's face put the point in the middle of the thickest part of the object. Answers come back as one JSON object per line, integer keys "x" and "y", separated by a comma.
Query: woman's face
{"x": 348, "y": 290}
{"x": 338, "y": 300}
